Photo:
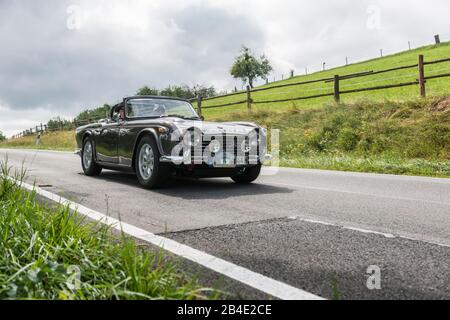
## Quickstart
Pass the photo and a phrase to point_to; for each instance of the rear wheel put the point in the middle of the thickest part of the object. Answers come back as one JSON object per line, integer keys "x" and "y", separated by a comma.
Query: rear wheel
{"x": 90, "y": 167}
{"x": 249, "y": 175}
{"x": 150, "y": 172}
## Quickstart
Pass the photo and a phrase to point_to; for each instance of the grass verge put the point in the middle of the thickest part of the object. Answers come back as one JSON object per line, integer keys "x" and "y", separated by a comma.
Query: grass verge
{"x": 58, "y": 140}
{"x": 409, "y": 137}
{"x": 53, "y": 253}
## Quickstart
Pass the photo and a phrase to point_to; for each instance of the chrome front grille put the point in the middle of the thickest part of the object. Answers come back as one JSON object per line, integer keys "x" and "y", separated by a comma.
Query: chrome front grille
{"x": 230, "y": 146}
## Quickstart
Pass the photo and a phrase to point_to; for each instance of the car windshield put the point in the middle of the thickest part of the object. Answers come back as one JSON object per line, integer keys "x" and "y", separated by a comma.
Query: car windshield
{"x": 159, "y": 107}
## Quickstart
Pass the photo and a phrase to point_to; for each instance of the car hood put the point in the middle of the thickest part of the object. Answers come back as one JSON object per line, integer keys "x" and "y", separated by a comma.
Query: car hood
{"x": 208, "y": 127}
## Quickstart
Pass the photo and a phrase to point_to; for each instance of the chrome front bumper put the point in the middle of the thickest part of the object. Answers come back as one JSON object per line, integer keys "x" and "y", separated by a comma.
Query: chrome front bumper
{"x": 180, "y": 160}
{"x": 170, "y": 159}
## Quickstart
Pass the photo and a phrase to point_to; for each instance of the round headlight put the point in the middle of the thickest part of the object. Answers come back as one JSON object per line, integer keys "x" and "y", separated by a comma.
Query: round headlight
{"x": 245, "y": 146}
{"x": 214, "y": 146}
{"x": 192, "y": 138}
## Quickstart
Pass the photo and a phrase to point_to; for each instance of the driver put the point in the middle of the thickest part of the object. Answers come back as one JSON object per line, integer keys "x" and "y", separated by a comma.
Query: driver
{"x": 122, "y": 113}
{"x": 119, "y": 112}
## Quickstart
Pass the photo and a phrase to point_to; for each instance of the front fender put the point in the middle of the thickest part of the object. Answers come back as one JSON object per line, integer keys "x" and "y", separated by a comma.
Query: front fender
{"x": 153, "y": 133}
{"x": 81, "y": 135}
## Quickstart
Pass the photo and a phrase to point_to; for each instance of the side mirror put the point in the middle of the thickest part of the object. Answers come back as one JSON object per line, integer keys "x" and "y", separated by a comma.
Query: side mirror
{"x": 202, "y": 118}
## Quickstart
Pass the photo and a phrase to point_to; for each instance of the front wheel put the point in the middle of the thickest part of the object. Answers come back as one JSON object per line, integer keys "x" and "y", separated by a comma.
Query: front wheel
{"x": 249, "y": 175}
{"x": 90, "y": 167}
{"x": 150, "y": 172}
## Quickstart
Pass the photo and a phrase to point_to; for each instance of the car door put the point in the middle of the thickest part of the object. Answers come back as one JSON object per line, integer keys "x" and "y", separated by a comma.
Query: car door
{"x": 107, "y": 138}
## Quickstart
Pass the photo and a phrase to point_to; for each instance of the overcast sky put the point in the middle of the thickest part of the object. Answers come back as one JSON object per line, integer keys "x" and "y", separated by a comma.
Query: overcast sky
{"x": 60, "y": 57}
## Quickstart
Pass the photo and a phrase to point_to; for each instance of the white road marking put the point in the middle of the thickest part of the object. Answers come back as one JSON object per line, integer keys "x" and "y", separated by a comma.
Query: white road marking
{"x": 386, "y": 235}
{"x": 255, "y": 280}
{"x": 357, "y": 193}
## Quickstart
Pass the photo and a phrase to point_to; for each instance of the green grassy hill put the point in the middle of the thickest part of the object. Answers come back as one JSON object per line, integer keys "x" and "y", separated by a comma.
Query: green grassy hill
{"x": 434, "y": 87}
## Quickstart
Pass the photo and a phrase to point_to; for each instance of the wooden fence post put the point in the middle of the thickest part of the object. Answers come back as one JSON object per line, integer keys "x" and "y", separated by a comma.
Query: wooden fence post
{"x": 422, "y": 76}
{"x": 337, "y": 96}
{"x": 249, "y": 99}
{"x": 437, "y": 39}
{"x": 199, "y": 105}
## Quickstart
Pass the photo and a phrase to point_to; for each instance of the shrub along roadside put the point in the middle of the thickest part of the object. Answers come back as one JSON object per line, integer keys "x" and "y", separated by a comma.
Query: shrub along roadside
{"x": 52, "y": 253}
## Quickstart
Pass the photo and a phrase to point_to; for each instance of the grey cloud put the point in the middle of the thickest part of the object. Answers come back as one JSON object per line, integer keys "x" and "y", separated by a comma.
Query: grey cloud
{"x": 46, "y": 66}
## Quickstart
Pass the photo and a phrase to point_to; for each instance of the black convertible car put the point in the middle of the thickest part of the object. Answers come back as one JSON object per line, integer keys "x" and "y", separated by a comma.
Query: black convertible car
{"x": 159, "y": 137}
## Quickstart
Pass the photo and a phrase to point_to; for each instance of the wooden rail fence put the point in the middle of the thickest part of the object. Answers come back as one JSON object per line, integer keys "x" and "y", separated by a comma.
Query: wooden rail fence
{"x": 249, "y": 101}
{"x": 337, "y": 90}
{"x": 57, "y": 126}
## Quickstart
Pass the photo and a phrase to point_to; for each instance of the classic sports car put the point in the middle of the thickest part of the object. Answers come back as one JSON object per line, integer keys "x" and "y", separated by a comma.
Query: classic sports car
{"x": 158, "y": 137}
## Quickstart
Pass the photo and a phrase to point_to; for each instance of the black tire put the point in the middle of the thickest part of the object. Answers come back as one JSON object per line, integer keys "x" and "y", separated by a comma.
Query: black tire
{"x": 90, "y": 167}
{"x": 159, "y": 172}
{"x": 249, "y": 175}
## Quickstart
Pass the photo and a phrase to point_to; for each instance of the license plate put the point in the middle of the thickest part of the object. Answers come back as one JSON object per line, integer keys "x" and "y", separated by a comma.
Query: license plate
{"x": 220, "y": 161}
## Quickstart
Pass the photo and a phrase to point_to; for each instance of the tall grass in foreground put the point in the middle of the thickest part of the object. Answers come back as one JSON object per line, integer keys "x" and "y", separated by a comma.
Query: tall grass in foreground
{"x": 51, "y": 253}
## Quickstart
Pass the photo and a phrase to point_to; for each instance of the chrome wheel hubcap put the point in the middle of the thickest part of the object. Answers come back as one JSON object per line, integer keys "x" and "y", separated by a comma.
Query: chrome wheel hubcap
{"x": 87, "y": 154}
{"x": 146, "y": 161}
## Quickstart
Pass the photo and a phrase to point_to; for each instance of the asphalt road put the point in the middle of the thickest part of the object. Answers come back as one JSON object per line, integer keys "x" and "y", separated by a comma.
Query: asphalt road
{"x": 315, "y": 230}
